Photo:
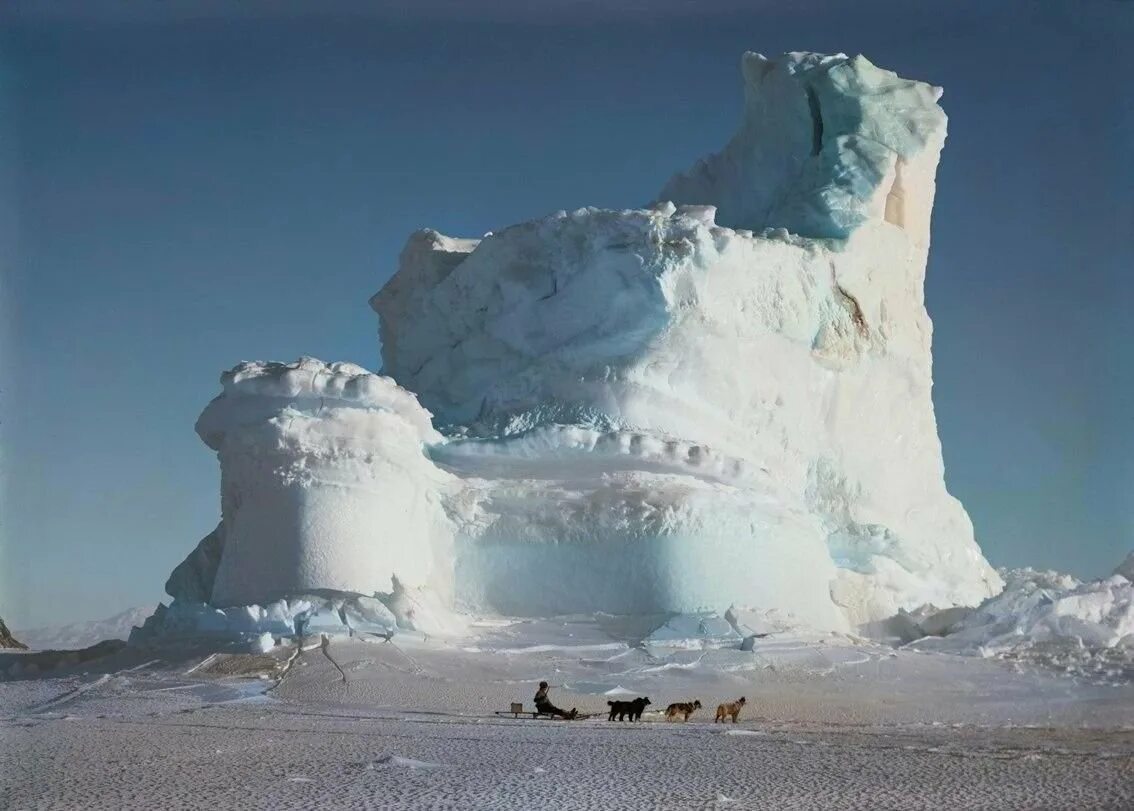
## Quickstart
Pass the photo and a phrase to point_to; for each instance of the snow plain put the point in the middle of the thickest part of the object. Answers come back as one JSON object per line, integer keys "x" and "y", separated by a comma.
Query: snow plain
{"x": 832, "y": 722}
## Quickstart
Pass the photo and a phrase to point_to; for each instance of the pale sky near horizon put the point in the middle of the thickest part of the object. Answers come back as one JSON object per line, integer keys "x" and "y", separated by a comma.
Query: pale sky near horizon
{"x": 185, "y": 187}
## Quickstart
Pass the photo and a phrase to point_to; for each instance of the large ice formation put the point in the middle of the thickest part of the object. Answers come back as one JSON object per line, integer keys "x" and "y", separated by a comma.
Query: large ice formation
{"x": 722, "y": 398}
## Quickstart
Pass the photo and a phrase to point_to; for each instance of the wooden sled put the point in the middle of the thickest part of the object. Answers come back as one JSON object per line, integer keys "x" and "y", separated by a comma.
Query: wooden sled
{"x": 517, "y": 711}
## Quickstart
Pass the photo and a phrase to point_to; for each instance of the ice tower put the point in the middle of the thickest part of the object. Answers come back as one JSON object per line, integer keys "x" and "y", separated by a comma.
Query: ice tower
{"x": 721, "y": 398}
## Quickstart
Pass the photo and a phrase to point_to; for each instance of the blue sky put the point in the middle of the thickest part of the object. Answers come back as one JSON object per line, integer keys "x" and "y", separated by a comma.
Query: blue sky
{"x": 185, "y": 187}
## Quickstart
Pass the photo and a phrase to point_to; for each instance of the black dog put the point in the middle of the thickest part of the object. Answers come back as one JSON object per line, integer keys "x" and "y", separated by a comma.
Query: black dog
{"x": 623, "y": 708}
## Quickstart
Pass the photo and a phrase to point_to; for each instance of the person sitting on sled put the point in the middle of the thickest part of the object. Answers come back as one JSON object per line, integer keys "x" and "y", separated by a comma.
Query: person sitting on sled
{"x": 544, "y": 706}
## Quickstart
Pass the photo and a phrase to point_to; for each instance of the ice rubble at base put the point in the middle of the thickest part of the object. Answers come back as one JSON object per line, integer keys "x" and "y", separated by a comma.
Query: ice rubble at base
{"x": 1041, "y": 618}
{"x": 1048, "y": 618}
{"x": 287, "y": 618}
{"x": 721, "y": 399}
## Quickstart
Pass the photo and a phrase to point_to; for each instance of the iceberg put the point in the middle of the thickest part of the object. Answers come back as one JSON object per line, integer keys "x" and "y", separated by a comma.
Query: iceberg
{"x": 721, "y": 399}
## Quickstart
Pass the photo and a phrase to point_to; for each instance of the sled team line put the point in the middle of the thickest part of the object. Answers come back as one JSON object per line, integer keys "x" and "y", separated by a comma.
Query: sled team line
{"x": 683, "y": 710}
{"x": 622, "y": 710}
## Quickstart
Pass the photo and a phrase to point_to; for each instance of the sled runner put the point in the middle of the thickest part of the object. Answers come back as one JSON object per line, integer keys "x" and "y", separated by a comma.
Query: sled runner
{"x": 518, "y": 711}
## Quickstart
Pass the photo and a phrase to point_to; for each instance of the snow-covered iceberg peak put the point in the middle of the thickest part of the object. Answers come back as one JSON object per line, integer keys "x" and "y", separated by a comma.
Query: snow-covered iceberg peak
{"x": 324, "y": 485}
{"x": 826, "y": 144}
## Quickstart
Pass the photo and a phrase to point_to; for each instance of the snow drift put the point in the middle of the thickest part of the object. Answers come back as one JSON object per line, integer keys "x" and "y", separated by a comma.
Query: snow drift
{"x": 721, "y": 398}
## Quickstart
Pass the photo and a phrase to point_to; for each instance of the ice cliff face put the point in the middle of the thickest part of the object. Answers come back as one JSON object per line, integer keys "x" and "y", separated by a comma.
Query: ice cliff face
{"x": 723, "y": 398}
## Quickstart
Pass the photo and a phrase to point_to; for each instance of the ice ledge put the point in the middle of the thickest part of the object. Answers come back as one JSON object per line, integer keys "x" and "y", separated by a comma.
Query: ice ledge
{"x": 255, "y": 391}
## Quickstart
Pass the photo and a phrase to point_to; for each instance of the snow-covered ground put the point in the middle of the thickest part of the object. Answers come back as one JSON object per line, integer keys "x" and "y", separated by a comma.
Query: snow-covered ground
{"x": 831, "y": 721}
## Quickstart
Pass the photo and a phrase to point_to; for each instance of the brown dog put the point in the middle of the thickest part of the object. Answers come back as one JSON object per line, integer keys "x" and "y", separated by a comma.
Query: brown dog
{"x": 674, "y": 710}
{"x": 732, "y": 708}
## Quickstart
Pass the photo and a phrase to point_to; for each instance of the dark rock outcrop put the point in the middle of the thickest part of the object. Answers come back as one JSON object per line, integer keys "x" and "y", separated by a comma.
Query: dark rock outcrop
{"x": 7, "y": 640}
{"x": 193, "y": 578}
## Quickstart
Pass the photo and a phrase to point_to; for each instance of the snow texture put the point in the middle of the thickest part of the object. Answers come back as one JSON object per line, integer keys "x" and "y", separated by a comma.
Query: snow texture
{"x": 672, "y": 409}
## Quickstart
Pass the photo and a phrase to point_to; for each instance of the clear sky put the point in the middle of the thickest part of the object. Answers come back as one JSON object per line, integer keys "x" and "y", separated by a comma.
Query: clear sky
{"x": 182, "y": 188}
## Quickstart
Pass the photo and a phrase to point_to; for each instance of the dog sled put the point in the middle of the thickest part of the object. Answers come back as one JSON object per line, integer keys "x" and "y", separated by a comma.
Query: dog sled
{"x": 520, "y": 712}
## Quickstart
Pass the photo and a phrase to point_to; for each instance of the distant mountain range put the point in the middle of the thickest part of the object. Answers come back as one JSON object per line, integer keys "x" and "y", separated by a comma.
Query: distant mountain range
{"x": 76, "y": 635}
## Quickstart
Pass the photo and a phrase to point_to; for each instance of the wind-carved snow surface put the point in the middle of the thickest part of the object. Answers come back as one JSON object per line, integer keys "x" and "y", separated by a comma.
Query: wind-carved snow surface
{"x": 721, "y": 399}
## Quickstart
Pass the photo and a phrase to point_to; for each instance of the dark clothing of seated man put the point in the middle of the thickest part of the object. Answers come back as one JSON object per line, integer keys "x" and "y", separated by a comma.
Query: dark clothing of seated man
{"x": 544, "y": 705}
